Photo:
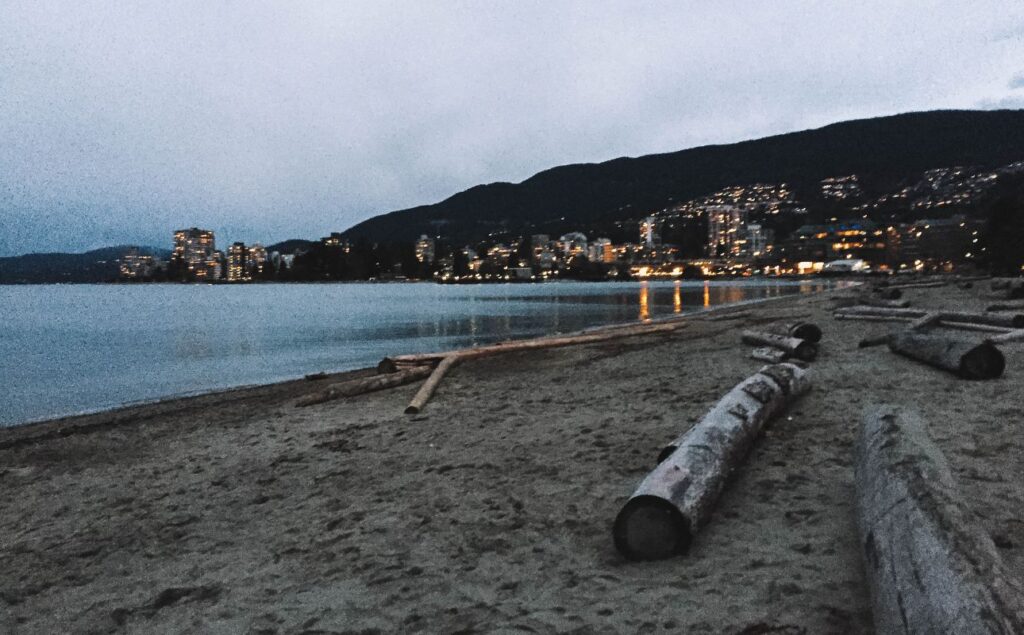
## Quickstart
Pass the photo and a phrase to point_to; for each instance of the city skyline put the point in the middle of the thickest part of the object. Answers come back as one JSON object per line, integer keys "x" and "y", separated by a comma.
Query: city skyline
{"x": 274, "y": 123}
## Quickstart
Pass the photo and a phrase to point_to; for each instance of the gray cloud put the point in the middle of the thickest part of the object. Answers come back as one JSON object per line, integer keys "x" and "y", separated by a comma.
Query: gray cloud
{"x": 265, "y": 121}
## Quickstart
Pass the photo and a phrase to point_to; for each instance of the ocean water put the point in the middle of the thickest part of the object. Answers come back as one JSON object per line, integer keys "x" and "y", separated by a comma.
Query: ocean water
{"x": 67, "y": 349}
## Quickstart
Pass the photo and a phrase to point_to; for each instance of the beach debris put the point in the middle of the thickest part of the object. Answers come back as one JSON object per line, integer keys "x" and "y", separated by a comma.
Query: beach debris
{"x": 768, "y": 354}
{"x": 1010, "y": 336}
{"x": 930, "y": 569}
{"x": 802, "y": 330}
{"x": 964, "y": 358}
{"x": 1007, "y": 306}
{"x": 919, "y": 285}
{"x": 445, "y": 361}
{"x": 887, "y": 293}
{"x": 793, "y": 346}
{"x": 919, "y": 318}
{"x": 355, "y": 387}
{"x": 867, "y": 300}
{"x": 1012, "y": 288}
{"x": 315, "y": 376}
{"x": 676, "y": 499}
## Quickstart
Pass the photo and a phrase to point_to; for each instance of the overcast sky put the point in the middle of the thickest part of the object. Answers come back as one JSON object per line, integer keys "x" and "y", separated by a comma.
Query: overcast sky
{"x": 122, "y": 121}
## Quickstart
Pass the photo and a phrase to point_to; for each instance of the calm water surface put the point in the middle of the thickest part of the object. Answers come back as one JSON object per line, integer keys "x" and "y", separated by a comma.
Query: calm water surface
{"x": 67, "y": 349}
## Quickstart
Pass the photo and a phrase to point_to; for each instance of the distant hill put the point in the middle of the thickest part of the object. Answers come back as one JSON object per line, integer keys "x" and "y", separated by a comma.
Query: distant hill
{"x": 100, "y": 265}
{"x": 290, "y": 246}
{"x": 884, "y": 152}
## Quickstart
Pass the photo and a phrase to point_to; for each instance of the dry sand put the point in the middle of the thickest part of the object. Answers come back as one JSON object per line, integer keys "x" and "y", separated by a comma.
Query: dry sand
{"x": 492, "y": 510}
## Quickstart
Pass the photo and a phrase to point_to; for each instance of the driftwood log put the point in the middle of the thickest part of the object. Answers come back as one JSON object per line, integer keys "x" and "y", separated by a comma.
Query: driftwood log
{"x": 867, "y": 300}
{"x": 768, "y": 354}
{"x": 1007, "y": 306}
{"x": 677, "y": 497}
{"x": 448, "y": 360}
{"x": 801, "y": 330}
{"x": 886, "y": 293}
{"x": 360, "y": 386}
{"x": 966, "y": 359}
{"x": 1010, "y": 336}
{"x": 929, "y": 568}
{"x": 794, "y": 346}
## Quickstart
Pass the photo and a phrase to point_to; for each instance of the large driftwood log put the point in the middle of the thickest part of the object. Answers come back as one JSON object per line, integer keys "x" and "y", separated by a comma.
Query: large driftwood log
{"x": 677, "y": 497}
{"x": 769, "y": 355}
{"x": 1010, "y": 336}
{"x": 967, "y": 359}
{"x": 930, "y": 570}
{"x": 427, "y": 389}
{"x": 1007, "y": 306}
{"x": 801, "y": 330}
{"x": 794, "y": 346}
{"x": 867, "y": 300}
{"x": 918, "y": 285}
{"x": 886, "y": 293}
{"x": 365, "y": 385}
{"x": 388, "y": 364}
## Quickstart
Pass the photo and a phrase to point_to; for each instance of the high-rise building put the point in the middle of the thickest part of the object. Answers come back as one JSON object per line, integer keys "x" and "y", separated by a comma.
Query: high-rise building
{"x": 425, "y": 249}
{"x": 759, "y": 240}
{"x": 601, "y": 250}
{"x": 727, "y": 231}
{"x": 650, "y": 232}
{"x": 237, "y": 270}
{"x": 194, "y": 253}
{"x": 255, "y": 259}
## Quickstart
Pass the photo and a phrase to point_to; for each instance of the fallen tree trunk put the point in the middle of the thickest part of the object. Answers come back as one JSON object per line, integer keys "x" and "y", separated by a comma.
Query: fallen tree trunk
{"x": 1011, "y": 336}
{"x": 918, "y": 285}
{"x": 1008, "y": 306}
{"x": 1005, "y": 321}
{"x": 800, "y": 330}
{"x": 929, "y": 568}
{"x": 365, "y": 385}
{"x": 632, "y": 330}
{"x": 886, "y": 293}
{"x": 794, "y": 346}
{"x": 671, "y": 504}
{"x": 768, "y": 354}
{"x": 867, "y": 300}
{"x": 966, "y": 359}
{"x": 427, "y": 389}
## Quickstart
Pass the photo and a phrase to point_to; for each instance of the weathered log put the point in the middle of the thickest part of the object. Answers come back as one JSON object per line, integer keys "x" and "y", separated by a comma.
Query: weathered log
{"x": 794, "y": 346}
{"x": 930, "y": 569}
{"x": 967, "y": 359}
{"x": 885, "y": 293}
{"x": 973, "y": 326}
{"x": 919, "y": 285}
{"x": 801, "y": 330}
{"x": 925, "y": 320}
{"x": 1011, "y": 336}
{"x": 768, "y": 354}
{"x": 1006, "y": 321}
{"x": 632, "y": 330}
{"x": 676, "y": 499}
{"x": 427, "y": 389}
{"x": 866, "y": 300}
{"x": 999, "y": 284}
{"x": 1006, "y": 306}
{"x": 881, "y": 311}
{"x": 360, "y": 386}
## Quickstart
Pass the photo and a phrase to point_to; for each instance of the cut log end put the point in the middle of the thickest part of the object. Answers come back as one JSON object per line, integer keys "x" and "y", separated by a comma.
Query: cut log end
{"x": 806, "y": 351}
{"x": 984, "y": 361}
{"x": 651, "y": 528}
{"x": 807, "y": 331}
{"x": 412, "y": 410}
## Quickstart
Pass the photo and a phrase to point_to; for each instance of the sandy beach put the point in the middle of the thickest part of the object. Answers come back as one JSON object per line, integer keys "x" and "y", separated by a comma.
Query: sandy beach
{"x": 237, "y": 512}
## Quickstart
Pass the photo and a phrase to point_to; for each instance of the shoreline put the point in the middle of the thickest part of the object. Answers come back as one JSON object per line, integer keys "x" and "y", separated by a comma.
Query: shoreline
{"x": 330, "y": 376}
{"x": 491, "y": 509}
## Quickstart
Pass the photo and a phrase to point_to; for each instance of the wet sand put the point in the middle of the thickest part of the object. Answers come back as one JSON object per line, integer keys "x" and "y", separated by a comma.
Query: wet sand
{"x": 491, "y": 511}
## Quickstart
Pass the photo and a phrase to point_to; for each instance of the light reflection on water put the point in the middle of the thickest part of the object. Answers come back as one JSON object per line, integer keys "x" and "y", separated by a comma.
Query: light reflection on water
{"x": 104, "y": 345}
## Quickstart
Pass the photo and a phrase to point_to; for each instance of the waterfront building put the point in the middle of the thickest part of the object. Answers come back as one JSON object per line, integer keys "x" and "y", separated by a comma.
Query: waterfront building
{"x": 855, "y": 239}
{"x": 135, "y": 266}
{"x": 727, "y": 231}
{"x": 194, "y": 253}
{"x": 573, "y": 244}
{"x": 601, "y": 250}
{"x": 237, "y": 270}
{"x": 425, "y": 249}
{"x": 255, "y": 259}
{"x": 650, "y": 232}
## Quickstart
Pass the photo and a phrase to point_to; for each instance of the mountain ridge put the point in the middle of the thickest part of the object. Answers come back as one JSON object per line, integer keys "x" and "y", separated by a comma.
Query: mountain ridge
{"x": 883, "y": 149}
